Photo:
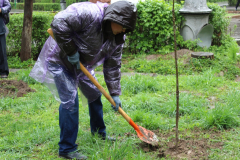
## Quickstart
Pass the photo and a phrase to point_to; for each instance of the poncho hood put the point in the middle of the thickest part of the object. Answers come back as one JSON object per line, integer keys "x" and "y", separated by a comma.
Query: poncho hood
{"x": 123, "y": 13}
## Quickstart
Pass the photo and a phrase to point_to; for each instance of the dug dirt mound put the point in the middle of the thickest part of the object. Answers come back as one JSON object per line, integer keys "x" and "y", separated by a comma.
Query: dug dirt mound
{"x": 194, "y": 147}
{"x": 14, "y": 88}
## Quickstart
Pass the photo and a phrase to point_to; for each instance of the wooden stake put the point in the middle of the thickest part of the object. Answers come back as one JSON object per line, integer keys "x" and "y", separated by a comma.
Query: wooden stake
{"x": 177, "y": 86}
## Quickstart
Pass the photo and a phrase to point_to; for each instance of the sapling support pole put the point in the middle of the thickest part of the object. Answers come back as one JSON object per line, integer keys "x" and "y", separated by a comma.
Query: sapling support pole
{"x": 176, "y": 65}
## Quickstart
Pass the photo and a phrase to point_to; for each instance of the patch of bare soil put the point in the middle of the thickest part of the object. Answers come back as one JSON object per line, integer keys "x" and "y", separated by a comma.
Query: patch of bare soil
{"x": 192, "y": 146}
{"x": 180, "y": 53}
{"x": 14, "y": 88}
{"x": 152, "y": 57}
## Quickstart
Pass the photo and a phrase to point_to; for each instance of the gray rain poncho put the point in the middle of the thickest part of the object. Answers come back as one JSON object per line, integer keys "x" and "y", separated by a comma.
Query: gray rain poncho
{"x": 84, "y": 27}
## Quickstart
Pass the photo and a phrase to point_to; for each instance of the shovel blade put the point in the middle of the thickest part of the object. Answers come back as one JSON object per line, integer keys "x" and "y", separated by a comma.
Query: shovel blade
{"x": 147, "y": 136}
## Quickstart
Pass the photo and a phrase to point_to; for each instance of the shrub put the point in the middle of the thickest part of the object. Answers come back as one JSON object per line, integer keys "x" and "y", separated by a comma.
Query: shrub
{"x": 232, "y": 2}
{"x": 153, "y": 33}
{"x": 154, "y": 28}
{"x": 220, "y": 23}
{"x": 46, "y": 6}
{"x": 216, "y": 0}
{"x": 69, "y": 2}
{"x": 40, "y": 6}
{"x": 41, "y": 22}
{"x": 15, "y": 62}
{"x": 19, "y": 5}
{"x": 47, "y": 1}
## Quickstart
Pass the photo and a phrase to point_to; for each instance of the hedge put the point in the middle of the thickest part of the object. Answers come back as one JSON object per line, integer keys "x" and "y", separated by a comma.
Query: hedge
{"x": 220, "y": 23}
{"x": 153, "y": 33}
{"x": 40, "y": 6}
{"x": 57, "y": 1}
{"x": 232, "y": 2}
{"x": 216, "y": 1}
{"x": 154, "y": 29}
{"x": 47, "y": 1}
{"x": 46, "y": 6}
{"x": 41, "y": 22}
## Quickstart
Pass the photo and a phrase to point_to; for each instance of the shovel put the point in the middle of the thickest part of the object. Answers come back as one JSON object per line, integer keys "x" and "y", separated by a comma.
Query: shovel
{"x": 144, "y": 134}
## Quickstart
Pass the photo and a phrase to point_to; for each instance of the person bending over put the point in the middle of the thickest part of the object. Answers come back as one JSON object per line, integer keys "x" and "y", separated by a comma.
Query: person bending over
{"x": 93, "y": 34}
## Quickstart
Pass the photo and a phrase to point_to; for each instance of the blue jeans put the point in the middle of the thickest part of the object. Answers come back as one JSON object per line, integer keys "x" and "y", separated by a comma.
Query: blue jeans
{"x": 68, "y": 122}
{"x": 69, "y": 115}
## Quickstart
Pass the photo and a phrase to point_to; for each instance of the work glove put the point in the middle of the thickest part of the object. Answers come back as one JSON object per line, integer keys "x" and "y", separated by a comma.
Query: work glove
{"x": 117, "y": 102}
{"x": 74, "y": 59}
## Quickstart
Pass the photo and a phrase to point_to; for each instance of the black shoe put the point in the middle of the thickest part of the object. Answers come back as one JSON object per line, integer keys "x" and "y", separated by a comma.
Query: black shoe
{"x": 109, "y": 138}
{"x": 4, "y": 76}
{"x": 73, "y": 155}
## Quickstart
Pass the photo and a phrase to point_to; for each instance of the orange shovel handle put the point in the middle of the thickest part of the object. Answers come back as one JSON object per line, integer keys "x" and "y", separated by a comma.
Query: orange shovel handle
{"x": 101, "y": 89}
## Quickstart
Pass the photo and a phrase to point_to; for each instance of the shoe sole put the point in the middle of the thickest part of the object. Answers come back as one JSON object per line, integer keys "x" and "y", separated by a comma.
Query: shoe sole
{"x": 71, "y": 158}
{"x": 4, "y": 76}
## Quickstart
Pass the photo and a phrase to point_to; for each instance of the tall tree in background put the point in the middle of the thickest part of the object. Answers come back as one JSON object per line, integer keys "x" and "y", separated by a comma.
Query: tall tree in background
{"x": 25, "y": 52}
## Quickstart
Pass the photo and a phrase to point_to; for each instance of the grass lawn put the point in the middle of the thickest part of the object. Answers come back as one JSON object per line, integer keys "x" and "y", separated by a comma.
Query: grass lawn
{"x": 208, "y": 102}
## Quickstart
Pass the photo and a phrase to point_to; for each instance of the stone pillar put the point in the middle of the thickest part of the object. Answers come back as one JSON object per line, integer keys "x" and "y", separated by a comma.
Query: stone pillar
{"x": 196, "y": 14}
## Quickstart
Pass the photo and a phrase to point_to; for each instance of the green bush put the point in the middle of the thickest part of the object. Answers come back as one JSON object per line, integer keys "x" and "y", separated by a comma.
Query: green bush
{"x": 41, "y": 22}
{"x": 216, "y": 0}
{"x": 46, "y": 6}
{"x": 232, "y": 2}
{"x": 154, "y": 28}
{"x": 15, "y": 62}
{"x": 19, "y": 6}
{"x": 207, "y": 1}
{"x": 40, "y": 6}
{"x": 220, "y": 23}
{"x": 153, "y": 33}
{"x": 69, "y": 2}
{"x": 46, "y": 1}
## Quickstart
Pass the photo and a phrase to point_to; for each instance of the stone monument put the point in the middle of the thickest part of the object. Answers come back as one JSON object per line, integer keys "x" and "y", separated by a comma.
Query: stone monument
{"x": 196, "y": 26}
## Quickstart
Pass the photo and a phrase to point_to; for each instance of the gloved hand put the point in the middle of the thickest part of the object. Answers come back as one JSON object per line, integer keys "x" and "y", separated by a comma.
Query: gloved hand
{"x": 74, "y": 59}
{"x": 117, "y": 102}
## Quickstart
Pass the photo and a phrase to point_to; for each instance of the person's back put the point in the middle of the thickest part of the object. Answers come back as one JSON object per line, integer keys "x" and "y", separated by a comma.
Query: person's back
{"x": 84, "y": 34}
{"x": 79, "y": 28}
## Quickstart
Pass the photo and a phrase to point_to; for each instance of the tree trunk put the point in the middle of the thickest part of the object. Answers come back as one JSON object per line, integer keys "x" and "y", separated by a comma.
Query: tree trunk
{"x": 25, "y": 52}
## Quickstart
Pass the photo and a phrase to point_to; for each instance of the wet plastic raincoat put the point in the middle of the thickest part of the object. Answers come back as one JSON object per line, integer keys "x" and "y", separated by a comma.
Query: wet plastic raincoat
{"x": 84, "y": 27}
